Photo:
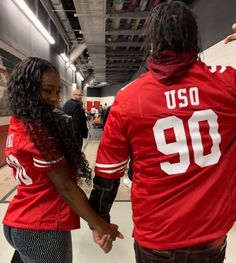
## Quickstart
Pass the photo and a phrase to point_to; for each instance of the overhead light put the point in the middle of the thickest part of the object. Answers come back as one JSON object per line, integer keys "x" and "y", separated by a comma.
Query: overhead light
{"x": 79, "y": 76}
{"x": 72, "y": 66}
{"x": 65, "y": 58}
{"x": 27, "y": 11}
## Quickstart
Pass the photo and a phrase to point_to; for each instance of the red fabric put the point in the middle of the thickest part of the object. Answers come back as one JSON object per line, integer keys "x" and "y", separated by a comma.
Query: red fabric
{"x": 169, "y": 67}
{"x": 183, "y": 193}
{"x": 37, "y": 204}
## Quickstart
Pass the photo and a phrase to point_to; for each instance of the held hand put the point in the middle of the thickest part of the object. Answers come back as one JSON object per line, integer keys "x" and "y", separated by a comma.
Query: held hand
{"x": 105, "y": 241}
{"x": 231, "y": 37}
{"x": 105, "y": 238}
{"x": 114, "y": 232}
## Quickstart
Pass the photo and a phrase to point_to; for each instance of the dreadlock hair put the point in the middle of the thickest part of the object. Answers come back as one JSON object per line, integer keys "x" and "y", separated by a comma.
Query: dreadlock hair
{"x": 172, "y": 26}
{"x": 39, "y": 119}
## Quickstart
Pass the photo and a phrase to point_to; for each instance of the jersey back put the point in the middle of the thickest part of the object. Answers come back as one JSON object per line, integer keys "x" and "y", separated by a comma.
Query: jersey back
{"x": 182, "y": 140}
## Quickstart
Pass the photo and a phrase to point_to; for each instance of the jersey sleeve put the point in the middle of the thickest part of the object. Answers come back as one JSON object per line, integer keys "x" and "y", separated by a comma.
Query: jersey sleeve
{"x": 114, "y": 149}
{"x": 40, "y": 163}
{"x": 225, "y": 74}
{"x": 48, "y": 158}
{"x": 21, "y": 147}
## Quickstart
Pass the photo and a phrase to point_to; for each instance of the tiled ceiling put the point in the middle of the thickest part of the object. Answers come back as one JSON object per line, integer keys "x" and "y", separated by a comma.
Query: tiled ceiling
{"x": 107, "y": 36}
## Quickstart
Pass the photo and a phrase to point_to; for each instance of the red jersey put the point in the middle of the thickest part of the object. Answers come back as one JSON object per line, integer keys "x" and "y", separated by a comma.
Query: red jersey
{"x": 37, "y": 204}
{"x": 182, "y": 140}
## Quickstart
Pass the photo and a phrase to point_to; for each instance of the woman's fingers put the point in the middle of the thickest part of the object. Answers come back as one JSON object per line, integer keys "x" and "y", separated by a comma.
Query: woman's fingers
{"x": 106, "y": 243}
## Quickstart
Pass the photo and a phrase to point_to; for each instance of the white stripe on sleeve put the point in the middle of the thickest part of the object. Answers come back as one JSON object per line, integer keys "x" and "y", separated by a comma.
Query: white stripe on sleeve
{"x": 109, "y": 171}
{"x": 101, "y": 165}
{"x": 41, "y": 163}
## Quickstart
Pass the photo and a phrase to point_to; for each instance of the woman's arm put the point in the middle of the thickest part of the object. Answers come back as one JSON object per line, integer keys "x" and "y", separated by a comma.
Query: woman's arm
{"x": 75, "y": 197}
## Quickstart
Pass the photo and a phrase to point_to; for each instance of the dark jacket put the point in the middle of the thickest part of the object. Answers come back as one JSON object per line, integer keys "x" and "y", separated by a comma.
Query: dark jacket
{"x": 75, "y": 110}
{"x": 106, "y": 113}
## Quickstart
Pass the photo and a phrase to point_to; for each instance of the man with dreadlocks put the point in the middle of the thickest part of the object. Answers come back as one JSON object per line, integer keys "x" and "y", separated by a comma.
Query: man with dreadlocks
{"x": 182, "y": 142}
{"x": 45, "y": 160}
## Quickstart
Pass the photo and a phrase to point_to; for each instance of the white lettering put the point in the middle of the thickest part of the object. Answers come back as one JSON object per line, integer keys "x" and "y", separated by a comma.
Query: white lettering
{"x": 182, "y": 98}
{"x": 170, "y": 99}
{"x": 21, "y": 175}
{"x": 9, "y": 142}
{"x": 181, "y": 145}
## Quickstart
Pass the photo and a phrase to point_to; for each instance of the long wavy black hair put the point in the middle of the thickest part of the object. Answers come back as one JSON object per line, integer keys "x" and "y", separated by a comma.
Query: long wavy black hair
{"x": 172, "y": 26}
{"x": 39, "y": 119}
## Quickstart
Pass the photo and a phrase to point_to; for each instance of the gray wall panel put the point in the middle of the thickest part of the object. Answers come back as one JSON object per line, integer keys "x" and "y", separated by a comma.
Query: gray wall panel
{"x": 111, "y": 90}
{"x": 18, "y": 32}
{"x": 215, "y": 18}
{"x": 106, "y": 91}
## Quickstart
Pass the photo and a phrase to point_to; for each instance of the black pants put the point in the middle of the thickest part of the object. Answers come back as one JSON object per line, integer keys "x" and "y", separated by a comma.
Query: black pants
{"x": 184, "y": 255}
{"x": 16, "y": 258}
{"x": 130, "y": 170}
{"x": 79, "y": 141}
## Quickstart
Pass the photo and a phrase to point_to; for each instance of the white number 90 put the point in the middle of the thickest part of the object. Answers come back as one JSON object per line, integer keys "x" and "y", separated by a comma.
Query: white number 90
{"x": 180, "y": 146}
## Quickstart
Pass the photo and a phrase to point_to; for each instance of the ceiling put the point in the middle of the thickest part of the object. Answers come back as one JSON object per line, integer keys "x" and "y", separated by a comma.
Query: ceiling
{"x": 104, "y": 38}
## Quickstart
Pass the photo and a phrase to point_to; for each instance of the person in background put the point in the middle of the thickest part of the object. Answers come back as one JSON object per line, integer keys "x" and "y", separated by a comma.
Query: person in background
{"x": 74, "y": 108}
{"x": 128, "y": 180}
{"x": 101, "y": 110}
{"x": 105, "y": 106}
{"x": 96, "y": 113}
{"x": 106, "y": 116}
{"x": 93, "y": 112}
{"x": 45, "y": 160}
{"x": 182, "y": 139}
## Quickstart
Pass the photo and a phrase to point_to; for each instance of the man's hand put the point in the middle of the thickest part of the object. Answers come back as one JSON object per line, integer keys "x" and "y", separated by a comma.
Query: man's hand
{"x": 114, "y": 233}
{"x": 231, "y": 37}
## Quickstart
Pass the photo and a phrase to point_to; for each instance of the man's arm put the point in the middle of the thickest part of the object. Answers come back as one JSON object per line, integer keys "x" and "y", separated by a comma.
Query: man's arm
{"x": 103, "y": 195}
{"x": 111, "y": 162}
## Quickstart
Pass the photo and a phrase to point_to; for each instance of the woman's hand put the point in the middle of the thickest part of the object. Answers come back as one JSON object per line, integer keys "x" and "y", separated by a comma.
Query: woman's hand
{"x": 231, "y": 37}
{"x": 104, "y": 242}
{"x": 75, "y": 197}
{"x": 104, "y": 238}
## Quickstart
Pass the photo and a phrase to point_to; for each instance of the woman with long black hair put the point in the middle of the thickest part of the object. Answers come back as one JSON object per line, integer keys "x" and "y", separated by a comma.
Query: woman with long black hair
{"x": 46, "y": 163}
